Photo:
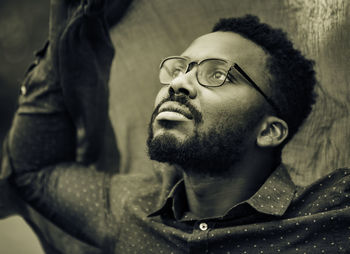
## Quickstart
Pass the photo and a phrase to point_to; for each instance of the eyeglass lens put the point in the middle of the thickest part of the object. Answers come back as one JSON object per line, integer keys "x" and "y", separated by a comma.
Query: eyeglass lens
{"x": 211, "y": 72}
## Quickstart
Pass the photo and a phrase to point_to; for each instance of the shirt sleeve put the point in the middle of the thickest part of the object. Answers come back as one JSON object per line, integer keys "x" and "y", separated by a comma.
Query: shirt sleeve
{"x": 56, "y": 134}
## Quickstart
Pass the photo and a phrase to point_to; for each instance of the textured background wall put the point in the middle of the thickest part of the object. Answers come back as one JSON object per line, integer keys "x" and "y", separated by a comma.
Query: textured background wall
{"x": 154, "y": 29}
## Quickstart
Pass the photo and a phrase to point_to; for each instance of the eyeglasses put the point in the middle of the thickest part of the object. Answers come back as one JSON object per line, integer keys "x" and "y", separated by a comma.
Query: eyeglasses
{"x": 210, "y": 73}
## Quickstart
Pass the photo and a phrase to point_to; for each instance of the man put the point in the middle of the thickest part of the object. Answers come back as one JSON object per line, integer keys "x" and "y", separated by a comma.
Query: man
{"x": 229, "y": 104}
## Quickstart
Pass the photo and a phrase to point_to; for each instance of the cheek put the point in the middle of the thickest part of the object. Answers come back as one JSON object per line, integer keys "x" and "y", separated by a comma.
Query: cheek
{"x": 226, "y": 106}
{"x": 162, "y": 94}
{"x": 217, "y": 115}
{"x": 220, "y": 103}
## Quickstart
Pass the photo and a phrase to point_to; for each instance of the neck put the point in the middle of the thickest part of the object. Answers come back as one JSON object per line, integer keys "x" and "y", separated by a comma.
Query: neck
{"x": 211, "y": 196}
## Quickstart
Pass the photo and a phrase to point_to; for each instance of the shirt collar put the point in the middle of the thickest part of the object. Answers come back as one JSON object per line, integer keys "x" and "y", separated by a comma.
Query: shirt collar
{"x": 175, "y": 203}
{"x": 273, "y": 197}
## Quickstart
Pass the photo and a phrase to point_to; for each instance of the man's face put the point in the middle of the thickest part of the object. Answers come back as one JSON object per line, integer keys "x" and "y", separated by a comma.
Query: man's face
{"x": 210, "y": 127}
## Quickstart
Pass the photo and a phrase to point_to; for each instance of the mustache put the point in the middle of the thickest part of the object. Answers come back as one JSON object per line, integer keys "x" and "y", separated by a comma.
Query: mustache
{"x": 183, "y": 100}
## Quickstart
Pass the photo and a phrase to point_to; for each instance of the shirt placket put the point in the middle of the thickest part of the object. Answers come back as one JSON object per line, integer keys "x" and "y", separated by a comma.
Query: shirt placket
{"x": 199, "y": 239}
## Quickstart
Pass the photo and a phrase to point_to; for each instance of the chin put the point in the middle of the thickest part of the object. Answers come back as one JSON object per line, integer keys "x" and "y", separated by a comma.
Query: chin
{"x": 206, "y": 154}
{"x": 163, "y": 147}
{"x": 170, "y": 136}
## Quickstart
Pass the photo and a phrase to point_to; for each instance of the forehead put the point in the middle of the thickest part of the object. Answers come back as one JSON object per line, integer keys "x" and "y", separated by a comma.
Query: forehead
{"x": 232, "y": 47}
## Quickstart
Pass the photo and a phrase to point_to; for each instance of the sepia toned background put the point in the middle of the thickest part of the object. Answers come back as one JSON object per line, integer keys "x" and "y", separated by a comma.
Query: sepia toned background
{"x": 153, "y": 29}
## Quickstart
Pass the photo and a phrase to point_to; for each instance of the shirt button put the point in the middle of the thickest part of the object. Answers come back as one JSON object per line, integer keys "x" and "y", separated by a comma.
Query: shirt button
{"x": 203, "y": 226}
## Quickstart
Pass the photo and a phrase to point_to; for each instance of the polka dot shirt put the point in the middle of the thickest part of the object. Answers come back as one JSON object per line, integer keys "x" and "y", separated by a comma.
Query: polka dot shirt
{"x": 148, "y": 214}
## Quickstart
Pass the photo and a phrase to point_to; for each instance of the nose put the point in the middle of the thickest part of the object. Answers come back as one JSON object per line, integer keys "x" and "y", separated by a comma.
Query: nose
{"x": 184, "y": 85}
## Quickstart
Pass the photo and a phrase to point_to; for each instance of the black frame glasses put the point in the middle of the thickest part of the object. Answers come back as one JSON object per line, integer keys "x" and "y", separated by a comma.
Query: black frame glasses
{"x": 166, "y": 80}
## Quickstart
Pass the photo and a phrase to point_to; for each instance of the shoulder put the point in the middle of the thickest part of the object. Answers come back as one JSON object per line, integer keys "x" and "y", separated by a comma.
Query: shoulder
{"x": 133, "y": 184}
{"x": 328, "y": 193}
{"x": 337, "y": 180}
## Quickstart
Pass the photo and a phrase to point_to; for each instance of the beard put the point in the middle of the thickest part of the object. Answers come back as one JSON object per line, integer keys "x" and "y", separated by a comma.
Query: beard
{"x": 209, "y": 153}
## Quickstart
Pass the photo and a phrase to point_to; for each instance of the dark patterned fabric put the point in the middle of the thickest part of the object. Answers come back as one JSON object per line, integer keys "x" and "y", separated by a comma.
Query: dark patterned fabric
{"x": 277, "y": 218}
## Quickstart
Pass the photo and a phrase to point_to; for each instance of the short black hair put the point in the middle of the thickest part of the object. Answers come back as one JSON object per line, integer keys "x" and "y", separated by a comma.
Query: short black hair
{"x": 293, "y": 75}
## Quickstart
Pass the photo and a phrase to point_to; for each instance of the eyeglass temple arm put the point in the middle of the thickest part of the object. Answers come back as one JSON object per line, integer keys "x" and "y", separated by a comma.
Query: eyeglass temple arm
{"x": 245, "y": 75}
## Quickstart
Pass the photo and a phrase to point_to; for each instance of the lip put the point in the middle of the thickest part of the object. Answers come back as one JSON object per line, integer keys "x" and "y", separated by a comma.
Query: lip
{"x": 173, "y": 111}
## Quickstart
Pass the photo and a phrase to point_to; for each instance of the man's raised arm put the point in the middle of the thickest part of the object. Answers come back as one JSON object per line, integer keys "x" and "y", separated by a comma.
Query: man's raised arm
{"x": 55, "y": 136}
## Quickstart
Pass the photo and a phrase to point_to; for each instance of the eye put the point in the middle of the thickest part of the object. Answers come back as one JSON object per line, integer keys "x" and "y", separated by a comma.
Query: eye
{"x": 177, "y": 72}
{"x": 219, "y": 75}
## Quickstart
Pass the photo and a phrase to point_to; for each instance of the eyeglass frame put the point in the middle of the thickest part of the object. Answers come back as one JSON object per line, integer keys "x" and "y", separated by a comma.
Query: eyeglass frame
{"x": 233, "y": 65}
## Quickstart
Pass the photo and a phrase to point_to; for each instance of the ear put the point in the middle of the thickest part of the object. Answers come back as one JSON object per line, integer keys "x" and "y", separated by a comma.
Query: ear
{"x": 272, "y": 133}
